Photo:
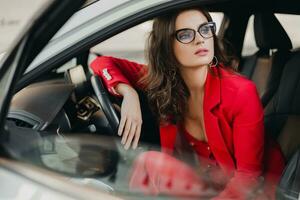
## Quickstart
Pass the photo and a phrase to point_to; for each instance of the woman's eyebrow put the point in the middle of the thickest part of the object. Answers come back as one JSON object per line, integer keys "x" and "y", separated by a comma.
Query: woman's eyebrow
{"x": 192, "y": 28}
{"x": 202, "y": 24}
{"x": 183, "y": 29}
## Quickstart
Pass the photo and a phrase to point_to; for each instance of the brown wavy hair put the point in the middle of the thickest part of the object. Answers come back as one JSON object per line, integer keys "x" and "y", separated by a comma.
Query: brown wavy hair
{"x": 167, "y": 92}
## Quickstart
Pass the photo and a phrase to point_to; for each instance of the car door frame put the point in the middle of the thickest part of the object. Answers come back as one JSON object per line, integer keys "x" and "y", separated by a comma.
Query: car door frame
{"x": 33, "y": 40}
{"x": 85, "y": 44}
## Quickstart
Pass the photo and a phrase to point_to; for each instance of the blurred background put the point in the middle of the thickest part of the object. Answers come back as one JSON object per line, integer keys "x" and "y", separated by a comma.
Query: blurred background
{"x": 14, "y": 15}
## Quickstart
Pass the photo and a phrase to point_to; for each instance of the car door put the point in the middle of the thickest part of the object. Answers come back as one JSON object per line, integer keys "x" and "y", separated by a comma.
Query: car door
{"x": 20, "y": 181}
{"x": 30, "y": 44}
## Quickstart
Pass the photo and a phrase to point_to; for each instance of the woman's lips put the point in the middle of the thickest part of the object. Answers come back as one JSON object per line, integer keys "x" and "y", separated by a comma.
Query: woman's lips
{"x": 201, "y": 52}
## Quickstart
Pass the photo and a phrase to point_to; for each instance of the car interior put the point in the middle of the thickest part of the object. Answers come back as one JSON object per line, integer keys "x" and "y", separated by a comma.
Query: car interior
{"x": 71, "y": 97}
{"x": 265, "y": 66}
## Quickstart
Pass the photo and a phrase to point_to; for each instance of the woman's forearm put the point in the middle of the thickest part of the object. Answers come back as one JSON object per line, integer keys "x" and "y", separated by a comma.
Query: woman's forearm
{"x": 125, "y": 90}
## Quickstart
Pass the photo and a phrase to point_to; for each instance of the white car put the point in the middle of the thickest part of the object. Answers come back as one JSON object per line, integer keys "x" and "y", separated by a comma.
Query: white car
{"x": 58, "y": 124}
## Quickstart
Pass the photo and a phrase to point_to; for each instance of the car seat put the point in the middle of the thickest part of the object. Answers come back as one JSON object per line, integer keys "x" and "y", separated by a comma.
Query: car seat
{"x": 265, "y": 66}
{"x": 282, "y": 114}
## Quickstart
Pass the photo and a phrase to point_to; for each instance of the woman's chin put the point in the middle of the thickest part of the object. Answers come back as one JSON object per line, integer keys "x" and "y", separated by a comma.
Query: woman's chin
{"x": 200, "y": 62}
{"x": 196, "y": 65}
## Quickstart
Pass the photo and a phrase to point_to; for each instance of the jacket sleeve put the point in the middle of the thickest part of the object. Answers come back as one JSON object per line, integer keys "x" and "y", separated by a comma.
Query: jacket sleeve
{"x": 157, "y": 173}
{"x": 115, "y": 70}
{"x": 248, "y": 141}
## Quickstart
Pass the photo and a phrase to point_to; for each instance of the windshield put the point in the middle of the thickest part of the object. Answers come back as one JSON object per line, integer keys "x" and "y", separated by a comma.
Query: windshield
{"x": 14, "y": 16}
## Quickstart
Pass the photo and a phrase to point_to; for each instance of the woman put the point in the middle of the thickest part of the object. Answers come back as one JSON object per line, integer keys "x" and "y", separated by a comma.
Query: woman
{"x": 197, "y": 96}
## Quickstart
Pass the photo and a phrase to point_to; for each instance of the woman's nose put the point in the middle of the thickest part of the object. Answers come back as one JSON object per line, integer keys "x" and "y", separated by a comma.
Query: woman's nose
{"x": 199, "y": 39}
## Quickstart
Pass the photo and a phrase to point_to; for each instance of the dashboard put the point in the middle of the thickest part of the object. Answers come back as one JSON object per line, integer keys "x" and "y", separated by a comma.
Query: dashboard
{"x": 62, "y": 105}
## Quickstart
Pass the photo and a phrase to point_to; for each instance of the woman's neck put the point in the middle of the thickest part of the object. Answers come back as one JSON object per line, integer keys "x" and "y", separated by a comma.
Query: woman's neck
{"x": 194, "y": 78}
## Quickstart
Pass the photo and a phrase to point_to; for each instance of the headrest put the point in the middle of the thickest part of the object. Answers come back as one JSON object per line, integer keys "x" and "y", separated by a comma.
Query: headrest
{"x": 269, "y": 34}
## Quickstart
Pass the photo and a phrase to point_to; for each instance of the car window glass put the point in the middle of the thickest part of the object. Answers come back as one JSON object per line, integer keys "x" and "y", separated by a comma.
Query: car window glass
{"x": 249, "y": 46}
{"x": 68, "y": 65}
{"x": 218, "y": 18}
{"x": 291, "y": 24}
{"x": 131, "y": 43}
{"x": 14, "y": 15}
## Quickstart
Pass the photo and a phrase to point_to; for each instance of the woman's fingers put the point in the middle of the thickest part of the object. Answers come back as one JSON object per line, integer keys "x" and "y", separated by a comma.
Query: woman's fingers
{"x": 130, "y": 135}
{"x": 121, "y": 126}
{"x": 131, "y": 120}
{"x": 137, "y": 136}
{"x": 126, "y": 131}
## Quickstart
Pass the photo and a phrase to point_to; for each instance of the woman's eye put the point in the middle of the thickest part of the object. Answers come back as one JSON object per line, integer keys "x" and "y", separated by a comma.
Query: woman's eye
{"x": 185, "y": 35}
{"x": 205, "y": 29}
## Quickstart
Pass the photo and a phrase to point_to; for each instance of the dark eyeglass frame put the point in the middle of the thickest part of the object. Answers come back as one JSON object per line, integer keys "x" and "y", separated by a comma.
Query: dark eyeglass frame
{"x": 212, "y": 26}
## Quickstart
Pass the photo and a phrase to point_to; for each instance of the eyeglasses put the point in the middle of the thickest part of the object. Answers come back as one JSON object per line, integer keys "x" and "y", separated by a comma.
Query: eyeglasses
{"x": 187, "y": 35}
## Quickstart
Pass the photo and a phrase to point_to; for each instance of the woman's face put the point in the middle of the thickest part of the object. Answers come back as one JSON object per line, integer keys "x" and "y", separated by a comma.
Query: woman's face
{"x": 200, "y": 51}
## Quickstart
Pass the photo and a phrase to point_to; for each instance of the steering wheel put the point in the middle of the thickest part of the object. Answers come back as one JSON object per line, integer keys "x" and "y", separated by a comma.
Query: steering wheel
{"x": 150, "y": 126}
{"x": 105, "y": 103}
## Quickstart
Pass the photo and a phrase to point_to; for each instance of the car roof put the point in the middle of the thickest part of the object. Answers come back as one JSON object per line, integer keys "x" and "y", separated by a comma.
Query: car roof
{"x": 92, "y": 11}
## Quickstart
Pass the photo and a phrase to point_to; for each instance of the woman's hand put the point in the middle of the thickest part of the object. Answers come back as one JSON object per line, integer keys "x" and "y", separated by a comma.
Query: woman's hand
{"x": 131, "y": 116}
{"x": 159, "y": 173}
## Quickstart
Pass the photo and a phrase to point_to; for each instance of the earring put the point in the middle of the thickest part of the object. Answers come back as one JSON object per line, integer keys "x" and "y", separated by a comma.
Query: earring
{"x": 214, "y": 62}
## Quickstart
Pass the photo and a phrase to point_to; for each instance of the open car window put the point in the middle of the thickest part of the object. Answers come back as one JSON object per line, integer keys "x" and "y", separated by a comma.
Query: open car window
{"x": 130, "y": 44}
{"x": 71, "y": 135}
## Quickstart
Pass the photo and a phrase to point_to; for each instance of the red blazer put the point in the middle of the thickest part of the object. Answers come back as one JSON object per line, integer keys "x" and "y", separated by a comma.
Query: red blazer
{"x": 234, "y": 124}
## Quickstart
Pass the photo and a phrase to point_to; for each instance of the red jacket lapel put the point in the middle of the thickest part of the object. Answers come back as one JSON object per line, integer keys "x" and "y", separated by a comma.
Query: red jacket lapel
{"x": 212, "y": 98}
{"x": 213, "y": 132}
